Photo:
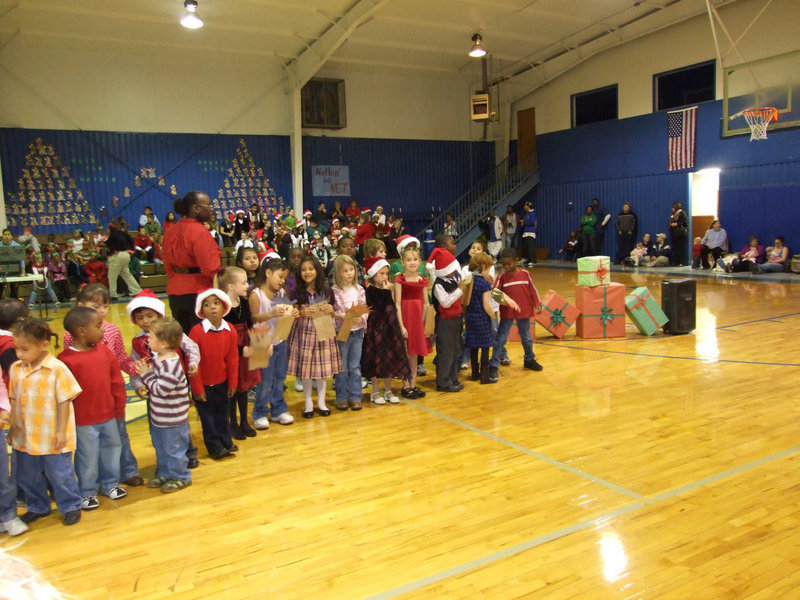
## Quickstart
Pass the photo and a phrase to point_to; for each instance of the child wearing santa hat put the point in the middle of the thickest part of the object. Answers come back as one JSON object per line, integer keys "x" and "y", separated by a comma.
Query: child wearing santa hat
{"x": 411, "y": 300}
{"x": 448, "y": 288}
{"x": 218, "y": 372}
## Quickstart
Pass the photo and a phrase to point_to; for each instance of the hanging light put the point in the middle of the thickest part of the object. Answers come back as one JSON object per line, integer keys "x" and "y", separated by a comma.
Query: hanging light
{"x": 191, "y": 20}
{"x": 477, "y": 49}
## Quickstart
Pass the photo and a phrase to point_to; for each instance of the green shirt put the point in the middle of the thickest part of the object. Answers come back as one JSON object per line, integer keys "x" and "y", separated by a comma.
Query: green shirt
{"x": 290, "y": 222}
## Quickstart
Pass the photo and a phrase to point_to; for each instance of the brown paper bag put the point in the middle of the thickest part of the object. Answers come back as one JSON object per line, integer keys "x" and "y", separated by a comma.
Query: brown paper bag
{"x": 282, "y": 328}
{"x": 430, "y": 320}
{"x": 350, "y": 317}
{"x": 260, "y": 342}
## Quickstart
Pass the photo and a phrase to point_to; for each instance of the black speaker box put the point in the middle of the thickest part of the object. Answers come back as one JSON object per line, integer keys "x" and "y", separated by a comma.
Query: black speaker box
{"x": 679, "y": 302}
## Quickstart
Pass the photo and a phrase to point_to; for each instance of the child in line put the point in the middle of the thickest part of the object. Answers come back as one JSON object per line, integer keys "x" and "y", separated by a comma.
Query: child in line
{"x": 142, "y": 310}
{"x": 168, "y": 407}
{"x": 96, "y": 296}
{"x": 247, "y": 259}
{"x": 520, "y": 300}
{"x": 384, "y": 351}
{"x": 411, "y": 300}
{"x": 97, "y": 408}
{"x": 479, "y": 315}
{"x": 310, "y": 359}
{"x": 268, "y": 303}
{"x": 448, "y": 289}
{"x": 11, "y": 312}
{"x": 233, "y": 281}
{"x": 43, "y": 424}
{"x": 218, "y": 371}
{"x": 697, "y": 248}
{"x": 9, "y": 521}
{"x": 347, "y": 294}
{"x": 347, "y": 246}
{"x": 403, "y": 242}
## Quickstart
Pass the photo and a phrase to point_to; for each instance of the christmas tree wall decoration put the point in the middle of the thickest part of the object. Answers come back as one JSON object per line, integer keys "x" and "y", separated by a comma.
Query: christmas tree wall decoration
{"x": 244, "y": 185}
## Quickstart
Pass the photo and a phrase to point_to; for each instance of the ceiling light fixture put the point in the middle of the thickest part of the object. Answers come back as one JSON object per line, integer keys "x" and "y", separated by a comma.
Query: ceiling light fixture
{"x": 477, "y": 49}
{"x": 191, "y": 20}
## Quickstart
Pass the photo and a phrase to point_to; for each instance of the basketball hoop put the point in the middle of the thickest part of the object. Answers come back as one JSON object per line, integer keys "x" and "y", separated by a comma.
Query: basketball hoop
{"x": 759, "y": 119}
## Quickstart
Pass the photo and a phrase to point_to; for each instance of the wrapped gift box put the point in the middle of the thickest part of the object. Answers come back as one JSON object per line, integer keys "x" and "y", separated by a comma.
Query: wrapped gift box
{"x": 644, "y": 311}
{"x": 594, "y": 270}
{"x": 557, "y": 314}
{"x": 602, "y": 311}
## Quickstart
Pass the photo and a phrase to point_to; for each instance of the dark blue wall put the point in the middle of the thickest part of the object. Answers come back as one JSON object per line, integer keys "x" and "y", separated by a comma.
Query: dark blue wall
{"x": 626, "y": 161}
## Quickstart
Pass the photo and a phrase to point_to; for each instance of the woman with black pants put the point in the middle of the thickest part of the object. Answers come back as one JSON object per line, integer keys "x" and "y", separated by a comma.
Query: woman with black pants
{"x": 192, "y": 257}
{"x": 679, "y": 234}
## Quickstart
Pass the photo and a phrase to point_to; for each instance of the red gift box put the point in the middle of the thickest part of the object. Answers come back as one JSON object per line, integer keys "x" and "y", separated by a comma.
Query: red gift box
{"x": 557, "y": 314}
{"x": 602, "y": 311}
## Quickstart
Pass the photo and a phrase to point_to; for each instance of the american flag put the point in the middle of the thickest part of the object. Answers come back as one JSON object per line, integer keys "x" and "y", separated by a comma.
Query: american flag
{"x": 681, "y": 138}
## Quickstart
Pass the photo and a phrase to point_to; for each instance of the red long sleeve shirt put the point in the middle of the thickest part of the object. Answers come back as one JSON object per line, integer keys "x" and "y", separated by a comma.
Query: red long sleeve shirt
{"x": 219, "y": 354}
{"x": 187, "y": 245}
{"x": 519, "y": 287}
{"x": 103, "y": 397}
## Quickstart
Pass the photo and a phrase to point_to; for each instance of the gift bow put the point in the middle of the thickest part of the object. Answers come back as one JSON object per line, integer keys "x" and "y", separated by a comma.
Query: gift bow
{"x": 601, "y": 272}
{"x": 557, "y": 315}
{"x": 640, "y": 303}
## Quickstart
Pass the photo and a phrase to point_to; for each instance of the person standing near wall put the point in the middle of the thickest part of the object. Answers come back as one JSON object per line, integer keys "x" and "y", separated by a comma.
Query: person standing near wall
{"x": 679, "y": 234}
{"x": 192, "y": 257}
{"x": 119, "y": 245}
{"x": 510, "y": 225}
{"x": 529, "y": 225}
{"x": 626, "y": 233}
{"x": 603, "y": 217}
{"x": 494, "y": 234}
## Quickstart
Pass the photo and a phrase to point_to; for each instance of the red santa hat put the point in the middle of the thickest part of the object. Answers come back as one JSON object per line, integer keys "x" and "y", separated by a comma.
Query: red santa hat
{"x": 373, "y": 264}
{"x": 335, "y": 220}
{"x": 365, "y": 209}
{"x": 232, "y": 217}
{"x": 223, "y": 297}
{"x": 307, "y": 213}
{"x": 240, "y": 211}
{"x": 405, "y": 240}
{"x": 145, "y": 299}
{"x": 442, "y": 262}
{"x": 268, "y": 254}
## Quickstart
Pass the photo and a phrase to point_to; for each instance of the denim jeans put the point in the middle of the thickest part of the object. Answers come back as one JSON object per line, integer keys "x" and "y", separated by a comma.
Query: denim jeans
{"x": 269, "y": 393}
{"x": 97, "y": 457}
{"x": 128, "y": 467}
{"x": 35, "y": 472}
{"x": 524, "y": 329}
{"x": 170, "y": 444}
{"x": 770, "y": 267}
{"x": 8, "y": 491}
{"x": 48, "y": 289}
{"x": 348, "y": 380}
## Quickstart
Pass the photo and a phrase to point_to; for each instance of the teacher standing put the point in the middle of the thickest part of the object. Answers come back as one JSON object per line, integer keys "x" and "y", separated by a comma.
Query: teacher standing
{"x": 191, "y": 257}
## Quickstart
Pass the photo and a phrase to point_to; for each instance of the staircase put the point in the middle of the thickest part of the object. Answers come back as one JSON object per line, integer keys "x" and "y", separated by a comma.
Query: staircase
{"x": 505, "y": 185}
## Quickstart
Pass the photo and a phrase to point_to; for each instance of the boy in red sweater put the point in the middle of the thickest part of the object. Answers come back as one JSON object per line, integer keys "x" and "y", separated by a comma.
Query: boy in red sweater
{"x": 98, "y": 408}
{"x": 519, "y": 300}
{"x": 218, "y": 371}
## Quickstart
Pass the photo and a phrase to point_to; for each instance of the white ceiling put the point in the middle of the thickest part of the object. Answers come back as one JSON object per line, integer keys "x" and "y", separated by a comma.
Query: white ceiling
{"x": 430, "y": 36}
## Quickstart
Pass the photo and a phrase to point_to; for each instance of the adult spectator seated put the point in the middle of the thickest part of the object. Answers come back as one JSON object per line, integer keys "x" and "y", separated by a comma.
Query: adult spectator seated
{"x": 227, "y": 231}
{"x": 353, "y": 211}
{"x": 662, "y": 253}
{"x": 747, "y": 259}
{"x": 715, "y": 243}
{"x": 777, "y": 258}
{"x": 143, "y": 217}
{"x": 572, "y": 248}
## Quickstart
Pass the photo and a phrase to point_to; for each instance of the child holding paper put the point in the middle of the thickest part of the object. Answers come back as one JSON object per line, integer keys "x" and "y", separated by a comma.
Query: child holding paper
{"x": 347, "y": 294}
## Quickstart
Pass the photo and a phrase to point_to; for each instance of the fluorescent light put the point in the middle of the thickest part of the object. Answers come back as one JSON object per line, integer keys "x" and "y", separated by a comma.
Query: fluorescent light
{"x": 191, "y": 20}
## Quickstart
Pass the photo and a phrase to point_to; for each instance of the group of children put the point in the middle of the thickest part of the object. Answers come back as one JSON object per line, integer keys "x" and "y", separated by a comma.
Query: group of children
{"x": 76, "y": 402}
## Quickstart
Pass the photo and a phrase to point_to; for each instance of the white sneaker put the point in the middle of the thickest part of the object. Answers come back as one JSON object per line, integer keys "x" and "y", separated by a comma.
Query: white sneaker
{"x": 116, "y": 493}
{"x": 298, "y": 385}
{"x": 377, "y": 398}
{"x": 363, "y": 383}
{"x": 421, "y": 370}
{"x": 262, "y": 423}
{"x": 14, "y": 527}
{"x": 284, "y": 419}
{"x": 391, "y": 398}
{"x": 90, "y": 503}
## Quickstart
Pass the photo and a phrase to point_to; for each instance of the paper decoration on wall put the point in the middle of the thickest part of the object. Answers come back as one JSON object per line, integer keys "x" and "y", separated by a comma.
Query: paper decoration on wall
{"x": 244, "y": 184}
{"x": 44, "y": 196}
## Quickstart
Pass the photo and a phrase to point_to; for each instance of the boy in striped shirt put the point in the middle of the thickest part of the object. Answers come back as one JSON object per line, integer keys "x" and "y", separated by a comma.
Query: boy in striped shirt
{"x": 169, "y": 406}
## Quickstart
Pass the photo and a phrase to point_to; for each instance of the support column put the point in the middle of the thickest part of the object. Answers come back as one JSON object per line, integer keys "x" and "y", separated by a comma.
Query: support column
{"x": 296, "y": 145}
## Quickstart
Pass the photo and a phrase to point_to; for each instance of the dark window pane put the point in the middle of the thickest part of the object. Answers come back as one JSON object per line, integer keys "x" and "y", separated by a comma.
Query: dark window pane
{"x": 594, "y": 106}
{"x": 688, "y": 85}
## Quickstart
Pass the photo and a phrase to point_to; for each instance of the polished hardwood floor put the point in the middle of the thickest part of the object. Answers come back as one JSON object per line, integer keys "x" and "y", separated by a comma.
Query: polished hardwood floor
{"x": 661, "y": 467}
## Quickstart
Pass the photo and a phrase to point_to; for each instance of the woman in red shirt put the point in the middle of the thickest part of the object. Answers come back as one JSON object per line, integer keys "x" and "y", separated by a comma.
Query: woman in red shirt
{"x": 192, "y": 257}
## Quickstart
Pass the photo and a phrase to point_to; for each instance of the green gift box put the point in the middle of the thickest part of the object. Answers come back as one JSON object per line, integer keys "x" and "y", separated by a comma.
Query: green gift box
{"x": 594, "y": 271}
{"x": 644, "y": 311}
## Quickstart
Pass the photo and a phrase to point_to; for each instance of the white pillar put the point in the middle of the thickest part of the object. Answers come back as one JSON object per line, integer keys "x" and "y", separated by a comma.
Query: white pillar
{"x": 296, "y": 144}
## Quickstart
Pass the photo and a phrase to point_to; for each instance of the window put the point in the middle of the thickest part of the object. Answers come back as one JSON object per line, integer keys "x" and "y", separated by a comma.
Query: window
{"x": 687, "y": 85}
{"x": 323, "y": 104}
{"x": 594, "y": 106}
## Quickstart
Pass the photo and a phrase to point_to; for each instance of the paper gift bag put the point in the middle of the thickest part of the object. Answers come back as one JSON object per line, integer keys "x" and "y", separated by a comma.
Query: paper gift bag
{"x": 261, "y": 343}
{"x": 594, "y": 270}
{"x": 644, "y": 311}
{"x": 602, "y": 311}
{"x": 557, "y": 314}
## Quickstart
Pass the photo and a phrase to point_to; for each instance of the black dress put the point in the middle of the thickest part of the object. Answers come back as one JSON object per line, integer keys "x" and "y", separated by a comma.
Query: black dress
{"x": 383, "y": 352}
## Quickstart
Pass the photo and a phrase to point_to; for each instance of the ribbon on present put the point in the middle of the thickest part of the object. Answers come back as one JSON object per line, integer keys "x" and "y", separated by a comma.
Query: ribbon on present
{"x": 606, "y": 314}
{"x": 557, "y": 315}
{"x": 600, "y": 272}
{"x": 641, "y": 304}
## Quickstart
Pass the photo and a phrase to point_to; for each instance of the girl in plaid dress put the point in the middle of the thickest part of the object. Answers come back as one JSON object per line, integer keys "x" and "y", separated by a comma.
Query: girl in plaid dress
{"x": 479, "y": 315}
{"x": 309, "y": 358}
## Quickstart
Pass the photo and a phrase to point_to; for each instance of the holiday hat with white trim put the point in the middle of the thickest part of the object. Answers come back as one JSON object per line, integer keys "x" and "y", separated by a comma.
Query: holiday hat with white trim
{"x": 405, "y": 240}
{"x": 268, "y": 254}
{"x": 240, "y": 211}
{"x": 223, "y": 297}
{"x": 145, "y": 299}
{"x": 442, "y": 262}
{"x": 373, "y": 264}
{"x": 307, "y": 213}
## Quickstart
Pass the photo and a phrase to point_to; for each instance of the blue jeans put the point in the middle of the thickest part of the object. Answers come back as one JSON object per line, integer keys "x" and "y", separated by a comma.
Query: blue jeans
{"x": 35, "y": 472}
{"x": 170, "y": 444}
{"x": 524, "y": 329}
{"x": 8, "y": 491}
{"x": 128, "y": 467}
{"x": 48, "y": 289}
{"x": 269, "y": 393}
{"x": 348, "y": 381}
{"x": 97, "y": 457}
{"x": 770, "y": 267}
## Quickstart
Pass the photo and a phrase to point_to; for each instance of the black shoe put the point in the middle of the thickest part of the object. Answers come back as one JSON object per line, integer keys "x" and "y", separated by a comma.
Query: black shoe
{"x": 233, "y": 448}
{"x": 220, "y": 454}
{"x": 418, "y": 393}
{"x": 408, "y": 393}
{"x": 247, "y": 430}
{"x": 72, "y": 517}
{"x": 193, "y": 463}
{"x": 493, "y": 374}
{"x": 237, "y": 433}
{"x": 324, "y": 412}
{"x": 307, "y": 414}
{"x": 532, "y": 365}
{"x": 457, "y": 387}
{"x": 29, "y": 517}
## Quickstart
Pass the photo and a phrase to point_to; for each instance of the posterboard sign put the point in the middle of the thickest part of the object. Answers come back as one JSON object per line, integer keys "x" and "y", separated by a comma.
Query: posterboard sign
{"x": 330, "y": 180}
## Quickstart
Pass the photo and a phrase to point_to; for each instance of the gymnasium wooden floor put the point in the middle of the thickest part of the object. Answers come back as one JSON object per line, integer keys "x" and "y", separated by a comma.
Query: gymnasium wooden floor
{"x": 661, "y": 467}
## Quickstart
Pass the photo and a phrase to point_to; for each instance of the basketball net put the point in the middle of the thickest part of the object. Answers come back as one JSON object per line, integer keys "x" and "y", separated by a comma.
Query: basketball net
{"x": 759, "y": 119}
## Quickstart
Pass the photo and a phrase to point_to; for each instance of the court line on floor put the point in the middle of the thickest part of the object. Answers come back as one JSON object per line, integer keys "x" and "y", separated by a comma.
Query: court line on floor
{"x": 759, "y": 320}
{"x": 528, "y": 451}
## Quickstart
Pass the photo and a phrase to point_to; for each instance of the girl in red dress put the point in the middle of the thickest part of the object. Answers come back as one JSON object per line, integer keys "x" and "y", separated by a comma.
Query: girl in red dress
{"x": 411, "y": 298}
